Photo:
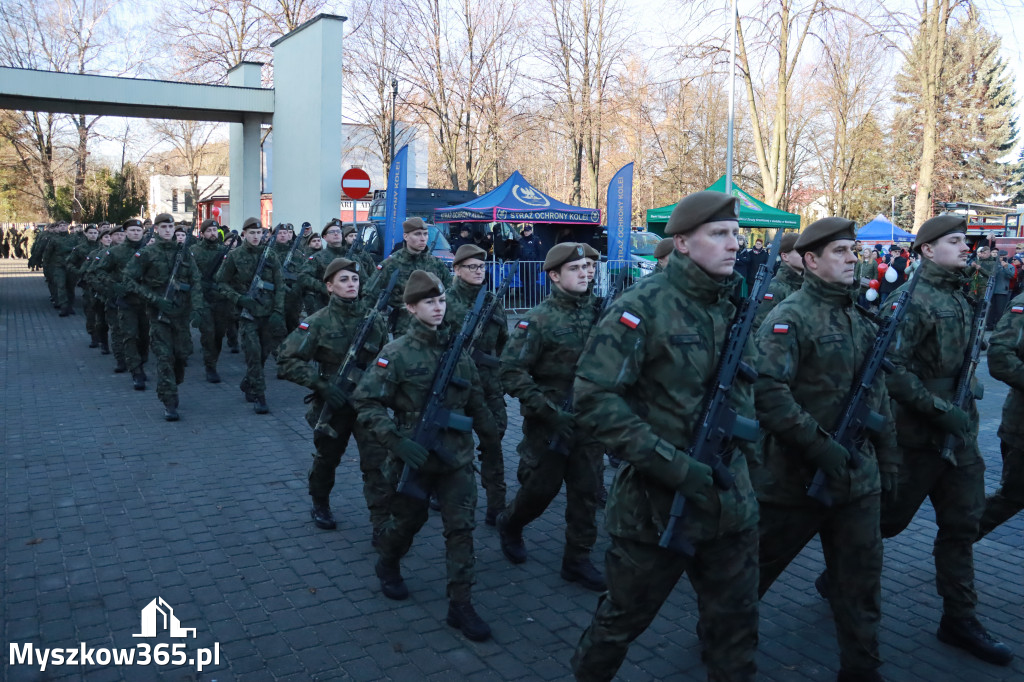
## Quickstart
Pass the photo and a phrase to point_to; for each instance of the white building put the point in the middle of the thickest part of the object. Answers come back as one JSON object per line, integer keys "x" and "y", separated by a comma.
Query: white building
{"x": 173, "y": 194}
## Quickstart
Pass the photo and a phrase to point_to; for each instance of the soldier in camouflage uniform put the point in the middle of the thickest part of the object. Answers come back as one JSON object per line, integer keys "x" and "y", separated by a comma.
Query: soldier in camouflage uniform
{"x": 266, "y": 308}
{"x": 537, "y": 367}
{"x": 289, "y": 275}
{"x": 55, "y": 257}
{"x": 786, "y": 281}
{"x": 811, "y": 348}
{"x": 148, "y": 275}
{"x": 662, "y": 251}
{"x": 640, "y": 386}
{"x": 132, "y": 329}
{"x": 1006, "y": 363}
{"x": 400, "y": 380}
{"x": 75, "y": 265}
{"x": 97, "y": 295}
{"x": 311, "y": 277}
{"x": 491, "y": 337}
{"x": 103, "y": 283}
{"x": 217, "y": 312}
{"x": 324, "y": 338}
{"x": 364, "y": 258}
{"x": 414, "y": 256}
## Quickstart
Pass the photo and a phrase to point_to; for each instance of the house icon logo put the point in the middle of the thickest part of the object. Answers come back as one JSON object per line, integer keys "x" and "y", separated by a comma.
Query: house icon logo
{"x": 159, "y": 613}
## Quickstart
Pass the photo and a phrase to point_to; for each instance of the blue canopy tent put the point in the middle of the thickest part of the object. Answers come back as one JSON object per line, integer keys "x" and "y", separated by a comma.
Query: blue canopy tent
{"x": 882, "y": 230}
{"x": 517, "y": 201}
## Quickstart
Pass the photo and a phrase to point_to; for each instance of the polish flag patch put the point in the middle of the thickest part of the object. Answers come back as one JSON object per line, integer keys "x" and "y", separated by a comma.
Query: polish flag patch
{"x": 1017, "y": 309}
{"x": 629, "y": 319}
{"x": 769, "y": 296}
{"x": 523, "y": 324}
{"x": 780, "y": 329}
{"x": 137, "y": 254}
{"x": 304, "y": 326}
{"x": 894, "y": 306}
{"x": 383, "y": 362}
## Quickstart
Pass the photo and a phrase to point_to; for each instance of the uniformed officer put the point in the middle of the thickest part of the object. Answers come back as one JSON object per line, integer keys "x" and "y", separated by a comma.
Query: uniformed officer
{"x": 75, "y": 266}
{"x": 537, "y": 367}
{"x": 311, "y": 278}
{"x": 291, "y": 263}
{"x": 217, "y": 312}
{"x": 662, "y": 251}
{"x": 400, "y": 380}
{"x": 787, "y": 280}
{"x": 324, "y": 338}
{"x": 98, "y": 297}
{"x": 132, "y": 329}
{"x": 811, "y": 348}
{"x": 640, "y": 387}
{"x": 364, "y": 259}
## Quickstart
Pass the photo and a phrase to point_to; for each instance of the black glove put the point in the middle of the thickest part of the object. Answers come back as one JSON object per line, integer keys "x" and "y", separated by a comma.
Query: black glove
{"x": 276, "y": 323}
{"x": 411, "y": 452}
{"x": 247, "y": 302}
{"x": 165, "y": 306}
{"x": 955, "y": 422}
{"x": 696, "y": 485}
{"x": 562, "y": 424}
{"x": 832, "y": 458}
{"x": 332, "y": 395}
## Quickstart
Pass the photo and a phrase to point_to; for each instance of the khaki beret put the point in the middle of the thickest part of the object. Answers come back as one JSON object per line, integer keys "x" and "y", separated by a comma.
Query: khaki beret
{"x": 287, "y": 226}
{"x": 467, "y": 251}
{"x": 340, "y": 264}
{"x": 134, "y": 222}
{"x": 347, "y": 230}
{"x": 699, "y": 208}
{"x": 116, "y": 228}
{"x": 163, "y": 218}
{"x": 788, "y": 242}
{"x": 333, "y": 222}
{"x": 180, "y": 228}
{"x": 939, "y": 226}
{"x": 147, "y": 221}
{"x": 413, "y": 224}
{"x": 823, "y": 231}
{"x": 421, "y": 285}
{"x": 563, "y": 253}
{"x": 664, "y": 247}
{"x": 252, "y": 224}
{"x": 590, "y": 252}
{"x": 209, "y": 222}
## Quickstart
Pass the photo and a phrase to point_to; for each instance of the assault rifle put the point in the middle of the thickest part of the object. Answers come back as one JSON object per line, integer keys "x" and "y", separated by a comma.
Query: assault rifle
{"x": 288, "y": 275}
{"x": 359, "y": 243}
{"x": 857, "y": 417}
{"x": 257, "y": 285}
{"x": 480, "y": 357}
{"x": 719, "y": 423}
{"x": 963, "y": 394}
{"x": 173, "y": 285}
{"x": 217, "y": 261}
{"x": 557, "y": 444}
{"x": 435, "y": 417}
{"x": 343, "y": 378}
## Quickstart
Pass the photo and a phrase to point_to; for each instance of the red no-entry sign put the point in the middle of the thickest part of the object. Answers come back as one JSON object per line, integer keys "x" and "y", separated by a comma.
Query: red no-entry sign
{"x": 355, "y": 183}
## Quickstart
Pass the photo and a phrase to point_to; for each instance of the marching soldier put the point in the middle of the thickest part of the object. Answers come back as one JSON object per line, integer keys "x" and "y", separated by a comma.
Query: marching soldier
{"x": 662, "y": 251}
{"x": 74, "y": 266}
{"x": 491, "y": 335}
{"x": 537, "y": 367}
{"x": 311, "y": 279}
{"x": 55, "y": 256}
{"x": 289, "y": 275}
{"x": 364, "y": 259}
{"x": 787, "y": 280}
{"x": 106, "y": 288}
{"x": 639, "y": 389}
{"x": 148, "y": 275}
{"x": 132, "y": 328}
{"x": 400, "y": 380}
{"x": 324, "y": 338}
{"x": 811, "y": 348}
{"x": 217, "y": 311}
{"x": 259, "y": 314}
{"x": 98, "y": 296}
{"x": 413, "y": 256}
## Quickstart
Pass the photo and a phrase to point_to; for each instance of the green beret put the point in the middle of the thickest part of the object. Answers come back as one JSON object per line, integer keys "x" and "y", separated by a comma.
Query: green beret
{"x": 823, "y": 231}
{"x": 134, "y": 222}
{"x": 413, "y": 224}
{"x": 92, "y": 226}
{"x": 333, "y": 222}
{"x": 347, "y": 230}
{"x": 116, "y": 228}
{"x": 664, "y": 247}
{"x": 699, "y": 208}
{"x": 209, "y": 222}
{"x": 163, "y": 218}
{"x": 590, "y": 252}
{"x": 252, "y": 224}
{"x": 939, "y": 226}
{"x": 467, "y": 251}
{"x": 563, "y": 253}
{"x": 340, "y": 264}
{"x": 788, "y": 242}
{"x": 421, "y": 285}
{"x": 287, "y": 226}
{"x": 181, "y": 228}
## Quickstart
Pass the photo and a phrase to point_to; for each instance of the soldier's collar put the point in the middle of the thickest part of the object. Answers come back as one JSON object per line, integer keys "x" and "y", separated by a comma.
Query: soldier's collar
{"x": 830, "y": 291}
{"x": 689, "y": 277}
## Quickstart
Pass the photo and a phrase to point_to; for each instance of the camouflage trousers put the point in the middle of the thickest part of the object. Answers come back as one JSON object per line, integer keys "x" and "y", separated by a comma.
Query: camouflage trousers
{"x": 958, "y": 496}
{"x": 110, "y": 312}
{"x": 171, "y": 341}
{"x": 541, "y": 474}
{"x": 51, "y": 284}
{"x": 492, "y": 465}
{"x": 852, "y": 544}
{"x": 212, "y": 328}
{"x": 64, "y": 284}
{"x": 723, "y": 572}
{"x": 256, "y": 343}
{"x": 134, "y": 325}
{"x": 1004, "y": 503}
{"x": 93, "y": 312}
{"x": 100, "y": 326}
{"x": 456, "y": 492}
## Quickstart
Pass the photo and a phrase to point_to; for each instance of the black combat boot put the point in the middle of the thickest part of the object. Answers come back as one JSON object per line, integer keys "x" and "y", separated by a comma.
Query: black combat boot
{"x": 463, "y": 616}
{"x": 491, "y": 518}
{"x": 93, "y": 343}
{"x": 104, "y": 347}
{"x": 859, "y": 676}
{"x": 821, "y": 585}
{"x": 171, "y": 410}
{"x": 435, "y": 504}
{"x": 584, "y": 572}
{"x": 66, "y": 310}
{"x": 260, "y": 404}
{"x": 971, "y": 636}
{"x": 375, "y": 537}
{"x": 212, "y": 376}
{"x": 179, "y": 371}
{"x": 121, "y": 367}
{"x": 391, "y": 583}
{"x": 139, "y": 381}
{"x": 512, "y": 545}
{"x": 244, "y": 386}
{"x": 321, "y": 514}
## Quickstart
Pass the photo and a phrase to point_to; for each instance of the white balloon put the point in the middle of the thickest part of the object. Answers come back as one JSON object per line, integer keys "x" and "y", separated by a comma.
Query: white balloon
{"x": 871, "y": 295}
{"x": 891, "y": 275}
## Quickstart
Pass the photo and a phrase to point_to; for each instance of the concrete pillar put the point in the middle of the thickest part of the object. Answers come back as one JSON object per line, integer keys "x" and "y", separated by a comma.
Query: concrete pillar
{"x": 244, "y": 194}
{"x": 307, "y": 123}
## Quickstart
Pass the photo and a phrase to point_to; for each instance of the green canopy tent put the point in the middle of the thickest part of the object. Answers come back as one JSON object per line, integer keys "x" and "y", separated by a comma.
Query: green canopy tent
{"x": 753, "y": 213}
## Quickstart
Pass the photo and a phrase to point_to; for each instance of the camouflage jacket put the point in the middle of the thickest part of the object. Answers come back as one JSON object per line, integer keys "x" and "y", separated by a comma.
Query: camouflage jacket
{"x": 324, "y": 338}
{"x": 492, "y": 334}
{"x": 640, "y": 389}
{"x": 928, "y": 352}
{"x": 785, "y": 282}
{"x": 405, "y": 261}
{"x": 367, "y": 267}
{"x": 79, "y": 256}
{"x": 209, "y": 258}
{"x": 810, "y": 350}
{"x": 311, "y": 273}
{"x": 236, "y": 275}
{"x": 149, "y": 272}
{"x": 291, "y": 274}
{"x": 400, "y": 380}
{"x": 59, "y": 247}
{"x": 87, "y": 270}
{"x": 538, "y": 364}
{"x": 1006, "y": 363}
{"x": 37, "y": 246}
{"x": 109, "y": 272}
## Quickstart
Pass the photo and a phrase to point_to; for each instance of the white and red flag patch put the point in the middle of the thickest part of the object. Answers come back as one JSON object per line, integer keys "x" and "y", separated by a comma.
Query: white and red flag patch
{"x": 769, "y": 296}
{"x": 383, "y": 362}
{"x": 304, "y": 326}
{"x": 629, "y": 319}
{"x": 780, "y": 329}
{"x": 523, "y": 324}
{"x": 1017, "y": 309}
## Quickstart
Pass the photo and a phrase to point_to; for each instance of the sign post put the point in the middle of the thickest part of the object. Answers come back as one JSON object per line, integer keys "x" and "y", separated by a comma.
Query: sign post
{"x": 355, "y": 183}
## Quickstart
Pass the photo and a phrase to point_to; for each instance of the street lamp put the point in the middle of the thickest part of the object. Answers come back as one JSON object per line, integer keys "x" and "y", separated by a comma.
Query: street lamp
{"x": 394, "y": 95}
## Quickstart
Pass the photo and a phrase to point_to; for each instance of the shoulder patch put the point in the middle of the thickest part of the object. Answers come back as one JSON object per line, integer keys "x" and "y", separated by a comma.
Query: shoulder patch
{"x": 304, "y": 326}
{"x": 523, "y": 324}
{"x": 780, "y": 329}
{"x": 629, "y": 319}
{"x": 383, "y": 362}
{"x": 769, "y": 296}
{"x": 312, "y": 257}
{"x": 137, "y": 254}
{"x": 1017, "y": 309}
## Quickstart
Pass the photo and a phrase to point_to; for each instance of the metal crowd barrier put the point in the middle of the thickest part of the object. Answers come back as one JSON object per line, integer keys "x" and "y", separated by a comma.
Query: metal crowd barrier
{"x": 530, "y": 285}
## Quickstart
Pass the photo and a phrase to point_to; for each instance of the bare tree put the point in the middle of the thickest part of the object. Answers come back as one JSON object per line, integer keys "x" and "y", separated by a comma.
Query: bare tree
{"x": 191, "y": 141}
{"x": 212, "y": 36}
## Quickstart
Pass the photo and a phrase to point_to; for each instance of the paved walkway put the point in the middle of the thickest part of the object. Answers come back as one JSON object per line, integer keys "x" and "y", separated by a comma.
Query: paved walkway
{"x": 106, "y": 507}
